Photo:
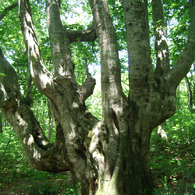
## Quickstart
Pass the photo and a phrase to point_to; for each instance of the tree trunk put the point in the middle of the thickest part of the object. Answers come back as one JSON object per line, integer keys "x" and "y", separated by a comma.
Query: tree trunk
{"x": 50, "y": 122}
{"x": 1, "y": 123}
{"x": 109, "y": 156}
{"x": 191, "y": 89}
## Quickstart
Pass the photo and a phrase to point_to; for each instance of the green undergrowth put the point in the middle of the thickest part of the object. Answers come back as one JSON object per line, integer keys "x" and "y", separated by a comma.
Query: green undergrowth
{"x": 173, "y": 159}
{"x": 18, "y": 177}
{"x": 172, "y": 163}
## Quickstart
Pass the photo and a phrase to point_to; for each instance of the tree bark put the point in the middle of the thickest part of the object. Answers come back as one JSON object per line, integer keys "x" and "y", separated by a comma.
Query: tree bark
{"x": 191, "y": 89}
{"x": 109, "y": 156}
{"x": 161, "y": 47}
{"x": 40, "y": 153}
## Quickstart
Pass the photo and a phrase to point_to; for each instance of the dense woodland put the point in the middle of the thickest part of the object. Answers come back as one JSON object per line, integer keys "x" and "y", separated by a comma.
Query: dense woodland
{"x": 172, "y": 141}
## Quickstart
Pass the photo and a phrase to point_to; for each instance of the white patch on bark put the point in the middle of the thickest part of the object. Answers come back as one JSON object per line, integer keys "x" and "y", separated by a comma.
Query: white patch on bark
{"x": 30, "y": 140}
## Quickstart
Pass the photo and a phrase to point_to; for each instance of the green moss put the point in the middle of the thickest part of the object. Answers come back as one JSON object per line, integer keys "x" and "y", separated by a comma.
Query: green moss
{"x": 90, "y": 134}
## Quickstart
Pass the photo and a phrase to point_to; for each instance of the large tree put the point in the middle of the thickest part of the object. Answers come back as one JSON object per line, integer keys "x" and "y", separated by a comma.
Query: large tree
{"x": 110, "y": 156}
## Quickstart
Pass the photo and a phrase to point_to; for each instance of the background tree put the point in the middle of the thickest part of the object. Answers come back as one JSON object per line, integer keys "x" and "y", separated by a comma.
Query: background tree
{"x": 1, "y": 124}
{"x": 191, "y": 89}
{"x": 110, "y": 156}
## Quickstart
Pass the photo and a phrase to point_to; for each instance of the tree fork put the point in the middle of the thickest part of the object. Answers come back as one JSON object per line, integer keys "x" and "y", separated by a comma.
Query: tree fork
{"x": 109, "y": 156}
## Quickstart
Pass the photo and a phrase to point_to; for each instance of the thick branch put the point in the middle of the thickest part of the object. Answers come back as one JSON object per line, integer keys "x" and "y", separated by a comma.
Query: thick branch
{"x": 62, "y": 60}
{"x": 113, "y": 100}
{"x": 182, "y": 66}
{"x": 87, "y": 88}
{"x": 161, "y": 47}
{"x": 7, "y": 9}
{"x": 40, "y": 153}
{"x": 140, "y": 65}
{"x": 40, "y": 75}
{"x": 60, "y": 45}
{"x": 9, "y": 83}
{"x": 82, "y": 35}
{"x": 110, "y": 65}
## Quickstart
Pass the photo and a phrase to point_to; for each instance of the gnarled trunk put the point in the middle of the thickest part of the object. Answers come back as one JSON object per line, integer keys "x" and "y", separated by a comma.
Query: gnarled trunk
{"x": 109, "y": 156}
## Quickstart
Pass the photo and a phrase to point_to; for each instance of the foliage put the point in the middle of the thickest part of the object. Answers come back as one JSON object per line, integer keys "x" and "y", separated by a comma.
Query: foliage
{"x": 173, "y": 160}
{"x": 55, "y": 185}
{"x": 18, "y": 176}
{"x": 177, "y": 19}
{"x": 94, "y": 103}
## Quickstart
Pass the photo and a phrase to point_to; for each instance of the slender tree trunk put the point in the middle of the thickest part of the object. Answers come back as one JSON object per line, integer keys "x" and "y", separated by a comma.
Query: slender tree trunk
{"x": 1, "y": 123}
{"x": 191, "y": 90}
{"x": 50, "y": 127}
{"x": 177, "y": 103}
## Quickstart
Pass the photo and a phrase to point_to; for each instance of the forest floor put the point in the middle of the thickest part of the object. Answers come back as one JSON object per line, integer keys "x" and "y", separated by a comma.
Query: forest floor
{"x": 172, "y": 164}
{"x": 32, "y": 182}
{"x": 36, "y": 183}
